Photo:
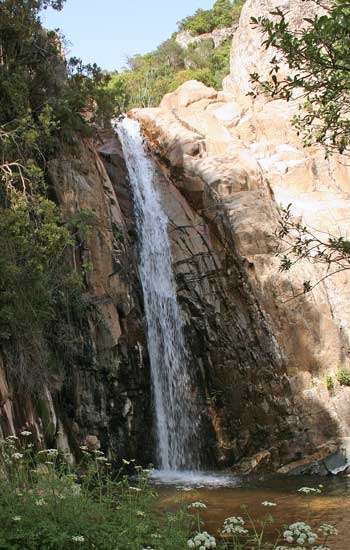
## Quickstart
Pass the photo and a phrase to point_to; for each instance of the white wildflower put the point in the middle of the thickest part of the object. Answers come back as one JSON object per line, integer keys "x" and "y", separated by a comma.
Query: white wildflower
{"x": 237, "y": 520}
{"x": 198, "y": 505}
{"x": 328, "y": 530}
{"x": 16, "y": 518}
{"x": 231, "y": 529}
{"x": 299, "y": 532}
{"x": 17, "y": 456}
{"x": 26, "y": 433}
{"x": 202, "y": 541}
{"x": 52, "y": 452}
{"x": 40, "y": 502}
{"x": 78, "y": 538}
{"x": 140, "y": 513}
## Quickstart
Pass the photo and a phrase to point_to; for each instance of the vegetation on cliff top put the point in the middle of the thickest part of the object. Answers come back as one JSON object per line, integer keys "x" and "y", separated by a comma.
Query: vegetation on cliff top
{"x": 147, "y": 78}
{"x": 224, "y": 13}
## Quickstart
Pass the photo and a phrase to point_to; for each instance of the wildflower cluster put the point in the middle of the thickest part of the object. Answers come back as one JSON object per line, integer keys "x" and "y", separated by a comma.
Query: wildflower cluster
{"x": 202, "y": 541}
{"x": 78, "y": 538}
{"x": 268, "y": 503}
{"x": 198, "y": 505}
{"x": 234, "y": 526}
{"x": 299, "y": 533}
{"x": 327, "y": 530}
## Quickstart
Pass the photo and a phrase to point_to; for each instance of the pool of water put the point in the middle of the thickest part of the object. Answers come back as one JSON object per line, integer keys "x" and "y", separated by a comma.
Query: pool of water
{"x": 224, "y": 495}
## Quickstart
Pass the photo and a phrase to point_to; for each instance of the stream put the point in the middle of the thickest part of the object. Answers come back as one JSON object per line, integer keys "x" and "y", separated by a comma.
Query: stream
{"x": 224, "y": 496}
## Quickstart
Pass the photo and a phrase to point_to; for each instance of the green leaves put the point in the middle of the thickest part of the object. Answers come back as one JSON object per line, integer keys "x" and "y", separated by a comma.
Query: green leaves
{"x": 224, "y": 13}
{"x": 319, "y": 62}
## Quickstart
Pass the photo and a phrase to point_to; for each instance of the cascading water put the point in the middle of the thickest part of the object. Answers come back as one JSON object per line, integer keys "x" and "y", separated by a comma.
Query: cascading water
{"x": 176, "y": 416}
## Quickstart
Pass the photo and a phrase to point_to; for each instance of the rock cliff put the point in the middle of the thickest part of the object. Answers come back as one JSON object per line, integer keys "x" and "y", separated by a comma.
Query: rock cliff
{"x": 229, "y": 160}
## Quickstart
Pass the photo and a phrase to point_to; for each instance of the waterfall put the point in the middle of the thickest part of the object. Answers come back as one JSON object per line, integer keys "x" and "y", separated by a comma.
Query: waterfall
{"x": 175, "y": 411}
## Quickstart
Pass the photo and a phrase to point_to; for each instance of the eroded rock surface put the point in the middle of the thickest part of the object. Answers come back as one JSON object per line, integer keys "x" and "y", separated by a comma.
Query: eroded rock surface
{"x": 230, "y": 160}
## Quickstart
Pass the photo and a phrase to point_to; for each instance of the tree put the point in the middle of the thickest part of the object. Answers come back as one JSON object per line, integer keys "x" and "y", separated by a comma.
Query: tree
{"x": 44, "y": 100}
{"x": 318, "y": 57}
{"x": 223, "y": 14}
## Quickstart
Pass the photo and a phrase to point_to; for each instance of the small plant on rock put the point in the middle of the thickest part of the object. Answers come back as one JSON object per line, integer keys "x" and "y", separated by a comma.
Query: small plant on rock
{"x": 329, "y": 382}
{"x": 343, "y": 377}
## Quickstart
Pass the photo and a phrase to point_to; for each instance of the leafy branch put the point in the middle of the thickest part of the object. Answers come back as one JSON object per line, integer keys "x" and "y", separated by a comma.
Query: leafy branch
{"x": 300, "y": 242}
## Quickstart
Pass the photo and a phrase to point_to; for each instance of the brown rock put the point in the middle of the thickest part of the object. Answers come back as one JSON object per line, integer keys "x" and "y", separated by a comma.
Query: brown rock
{"x": 312, "y": 464}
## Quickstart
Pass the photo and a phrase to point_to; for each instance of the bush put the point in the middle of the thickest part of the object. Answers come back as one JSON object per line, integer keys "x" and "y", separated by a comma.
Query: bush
{"x": 329, "y": 382}
{"x": 224, "y": 13}
{"x": 343, "y": 377}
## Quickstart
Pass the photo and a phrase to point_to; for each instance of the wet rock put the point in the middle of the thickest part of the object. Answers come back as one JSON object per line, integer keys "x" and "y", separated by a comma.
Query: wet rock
{"x": 321, "y": 462}
{"x": 258, "y": 463}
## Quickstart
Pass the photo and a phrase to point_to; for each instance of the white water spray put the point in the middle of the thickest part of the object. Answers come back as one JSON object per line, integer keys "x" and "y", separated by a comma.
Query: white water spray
{"x": 176, "y": 418}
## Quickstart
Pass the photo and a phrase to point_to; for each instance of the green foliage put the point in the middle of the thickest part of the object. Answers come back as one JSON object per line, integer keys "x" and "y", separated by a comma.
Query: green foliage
{"x": 151, "y": 76}
{"x": 224, "y": 13}
{"x": 45, "y": 504}
{"x": 343, "y": 377}
{"x": 329, "y": 382}
{"x": 44, "y": 102}
{"x": 298, "y": 242}
{"x": 318, "y": 57}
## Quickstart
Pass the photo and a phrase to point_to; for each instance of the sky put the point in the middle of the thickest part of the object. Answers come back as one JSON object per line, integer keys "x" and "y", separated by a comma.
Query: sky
{"x": 107, "y": 31}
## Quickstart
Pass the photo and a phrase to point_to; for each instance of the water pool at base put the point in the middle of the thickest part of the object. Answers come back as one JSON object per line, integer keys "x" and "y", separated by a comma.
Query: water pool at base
{"x": 224, "y": 495}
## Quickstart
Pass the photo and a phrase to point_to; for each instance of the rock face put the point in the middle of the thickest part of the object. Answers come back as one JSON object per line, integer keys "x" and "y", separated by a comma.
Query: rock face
{"x": 218, "y": 36}
{"x": 229, "y": 160}
{"x": 102, "y": 400}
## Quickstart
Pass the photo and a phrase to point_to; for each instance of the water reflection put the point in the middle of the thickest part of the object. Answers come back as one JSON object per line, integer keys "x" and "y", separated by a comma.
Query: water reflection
{"x": 331, "y": 506}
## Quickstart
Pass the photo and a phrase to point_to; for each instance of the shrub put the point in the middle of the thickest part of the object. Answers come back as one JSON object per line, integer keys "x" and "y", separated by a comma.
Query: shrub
{"x": 329, "y": 382}
{"x": 343, "y": 377}
{"x": 224, "y": 13}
